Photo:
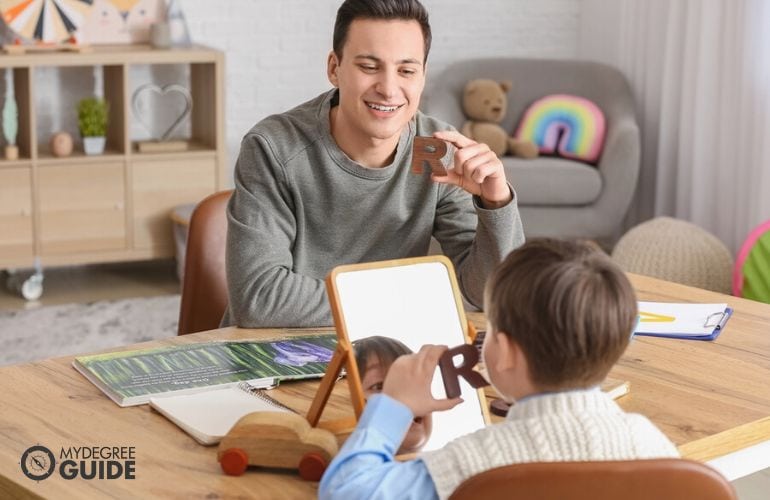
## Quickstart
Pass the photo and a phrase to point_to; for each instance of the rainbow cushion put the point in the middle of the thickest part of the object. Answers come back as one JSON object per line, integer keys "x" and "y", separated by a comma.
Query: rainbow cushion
{"x": 564, "y": 125}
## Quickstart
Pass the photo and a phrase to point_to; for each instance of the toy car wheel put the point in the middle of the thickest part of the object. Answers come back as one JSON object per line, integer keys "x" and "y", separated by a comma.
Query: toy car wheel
{"x": 234, "y": 461}
{"x": 312, "y": 466}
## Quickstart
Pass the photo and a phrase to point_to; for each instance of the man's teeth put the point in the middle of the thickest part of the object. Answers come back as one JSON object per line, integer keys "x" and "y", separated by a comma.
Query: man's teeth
{"x": 382, "y": 108}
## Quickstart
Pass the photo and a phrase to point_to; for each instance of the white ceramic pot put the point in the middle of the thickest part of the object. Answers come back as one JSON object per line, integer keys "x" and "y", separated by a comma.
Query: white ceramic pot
{"x": 93, "y": 145}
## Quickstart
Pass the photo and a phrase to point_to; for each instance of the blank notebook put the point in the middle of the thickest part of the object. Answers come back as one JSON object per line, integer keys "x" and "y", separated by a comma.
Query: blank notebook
{"x": 208, "y": 416}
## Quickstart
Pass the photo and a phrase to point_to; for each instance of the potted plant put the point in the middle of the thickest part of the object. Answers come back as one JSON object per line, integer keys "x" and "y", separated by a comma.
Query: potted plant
{"x": 92, "y": 121}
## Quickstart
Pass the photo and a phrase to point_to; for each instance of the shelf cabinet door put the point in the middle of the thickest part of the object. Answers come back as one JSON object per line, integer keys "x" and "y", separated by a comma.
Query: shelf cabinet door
{"x": 159, "y": 187}
{"x": 82, "y": 208}
{"x": 16, "y": 240}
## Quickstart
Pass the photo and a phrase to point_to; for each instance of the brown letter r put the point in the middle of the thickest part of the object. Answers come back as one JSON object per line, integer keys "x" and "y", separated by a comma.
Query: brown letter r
{"x": 451, "y": 373}
{"x": 427, "y": 153}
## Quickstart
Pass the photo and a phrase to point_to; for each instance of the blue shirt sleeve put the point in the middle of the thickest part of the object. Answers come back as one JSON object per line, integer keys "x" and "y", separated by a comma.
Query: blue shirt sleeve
{"x": 365, "y": 467}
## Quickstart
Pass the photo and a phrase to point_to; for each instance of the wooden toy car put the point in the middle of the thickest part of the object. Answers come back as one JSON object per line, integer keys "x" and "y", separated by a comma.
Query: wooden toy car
{"x": 273, "y": 439}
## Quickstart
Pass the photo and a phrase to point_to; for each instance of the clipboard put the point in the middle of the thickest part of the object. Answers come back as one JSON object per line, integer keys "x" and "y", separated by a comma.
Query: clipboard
{"x": 681, "y": 320}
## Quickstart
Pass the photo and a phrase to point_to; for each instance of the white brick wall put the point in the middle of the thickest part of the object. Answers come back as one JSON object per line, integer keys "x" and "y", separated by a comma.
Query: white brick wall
{"x": 276, "y": 50}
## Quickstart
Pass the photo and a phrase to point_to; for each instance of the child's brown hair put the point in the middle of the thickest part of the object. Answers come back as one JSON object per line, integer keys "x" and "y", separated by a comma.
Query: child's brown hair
{"x": 568, "y": 306}
{"x": 385, "y": 349}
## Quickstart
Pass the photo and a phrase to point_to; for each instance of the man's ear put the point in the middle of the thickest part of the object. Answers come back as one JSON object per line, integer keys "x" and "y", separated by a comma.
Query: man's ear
{"x": 332, "y": 65}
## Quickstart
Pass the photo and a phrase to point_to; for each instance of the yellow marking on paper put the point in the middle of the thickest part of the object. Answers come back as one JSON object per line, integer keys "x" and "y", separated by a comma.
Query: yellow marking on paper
{"x": 648, "y": 317}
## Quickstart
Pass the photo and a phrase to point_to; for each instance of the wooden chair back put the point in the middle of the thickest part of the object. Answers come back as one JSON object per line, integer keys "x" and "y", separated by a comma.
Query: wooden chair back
{"x": 659, "y": 479}
{"x": 204, "y": 287}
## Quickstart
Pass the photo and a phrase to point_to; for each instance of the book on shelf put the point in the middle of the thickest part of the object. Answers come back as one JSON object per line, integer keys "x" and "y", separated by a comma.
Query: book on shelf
{"x": 133, "y": 377}
{"x": 209, "y": 416}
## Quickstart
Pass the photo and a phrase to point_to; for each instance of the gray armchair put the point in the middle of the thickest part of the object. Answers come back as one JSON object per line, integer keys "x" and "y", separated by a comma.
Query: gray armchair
{"x": 557, "y": 197}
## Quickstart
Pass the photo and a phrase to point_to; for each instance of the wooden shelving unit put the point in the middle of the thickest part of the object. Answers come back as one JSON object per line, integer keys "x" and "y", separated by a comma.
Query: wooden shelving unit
{"x": 115, "y": 206}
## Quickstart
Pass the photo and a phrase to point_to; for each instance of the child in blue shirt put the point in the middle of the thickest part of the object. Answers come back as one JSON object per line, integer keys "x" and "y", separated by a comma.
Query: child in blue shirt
{"x": 559, "y": 315}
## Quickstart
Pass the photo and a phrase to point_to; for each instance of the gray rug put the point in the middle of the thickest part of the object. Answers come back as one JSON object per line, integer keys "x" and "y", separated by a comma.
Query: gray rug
{"x": 49, "y": 331}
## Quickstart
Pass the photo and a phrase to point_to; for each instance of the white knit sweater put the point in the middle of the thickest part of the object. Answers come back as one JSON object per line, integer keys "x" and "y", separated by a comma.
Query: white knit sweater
{"x": 564, "y": 426}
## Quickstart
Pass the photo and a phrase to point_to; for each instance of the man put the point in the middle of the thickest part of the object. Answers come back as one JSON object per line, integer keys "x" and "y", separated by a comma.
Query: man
{"x": 329, "y": 182}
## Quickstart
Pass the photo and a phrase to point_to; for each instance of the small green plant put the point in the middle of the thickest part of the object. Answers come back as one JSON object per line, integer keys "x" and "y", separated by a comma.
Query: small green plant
{"x": 92, "y": 117}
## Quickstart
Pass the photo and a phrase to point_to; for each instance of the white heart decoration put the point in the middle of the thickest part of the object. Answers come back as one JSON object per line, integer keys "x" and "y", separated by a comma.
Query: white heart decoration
{"x": 165, "y": 90}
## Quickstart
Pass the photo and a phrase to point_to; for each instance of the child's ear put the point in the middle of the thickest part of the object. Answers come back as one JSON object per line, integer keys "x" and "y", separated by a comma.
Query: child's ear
{"x": 510, "y": 355}
{"x": 506, "y": 352}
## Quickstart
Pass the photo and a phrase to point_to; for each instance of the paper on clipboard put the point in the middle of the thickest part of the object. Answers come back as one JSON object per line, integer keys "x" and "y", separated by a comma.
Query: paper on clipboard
{"x": 681, "y": 319}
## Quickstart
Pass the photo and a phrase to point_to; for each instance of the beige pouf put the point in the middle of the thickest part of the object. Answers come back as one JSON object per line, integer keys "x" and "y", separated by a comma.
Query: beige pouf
{"x": 676, "y": 250}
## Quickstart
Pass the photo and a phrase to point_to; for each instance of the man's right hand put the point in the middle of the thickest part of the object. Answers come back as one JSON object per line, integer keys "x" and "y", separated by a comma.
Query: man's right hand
{"x": 409, "y": 379}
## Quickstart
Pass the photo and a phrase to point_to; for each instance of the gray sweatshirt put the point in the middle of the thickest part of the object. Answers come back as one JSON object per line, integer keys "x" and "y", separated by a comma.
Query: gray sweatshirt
{"x": 302, "y": 207}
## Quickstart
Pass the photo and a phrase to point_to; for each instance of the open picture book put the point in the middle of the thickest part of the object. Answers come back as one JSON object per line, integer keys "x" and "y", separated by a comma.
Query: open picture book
{"x": 133, "y": 377}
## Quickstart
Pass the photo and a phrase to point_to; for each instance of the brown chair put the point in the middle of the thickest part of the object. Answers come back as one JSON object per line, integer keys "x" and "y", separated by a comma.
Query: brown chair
{"x": 204, "y": 287}
{"x": 658, "y": 479}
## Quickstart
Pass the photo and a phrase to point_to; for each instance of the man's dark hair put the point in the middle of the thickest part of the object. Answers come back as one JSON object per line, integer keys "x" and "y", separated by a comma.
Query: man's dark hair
{"x": 407, "y": 10}
{"x": 568, "y": 306}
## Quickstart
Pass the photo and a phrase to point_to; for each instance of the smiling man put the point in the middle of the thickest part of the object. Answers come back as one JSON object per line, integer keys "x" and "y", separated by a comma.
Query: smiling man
{"x": 329, "y": 182}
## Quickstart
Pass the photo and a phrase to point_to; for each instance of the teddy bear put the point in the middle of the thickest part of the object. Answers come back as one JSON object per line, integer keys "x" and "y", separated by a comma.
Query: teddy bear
{"x": 485, "y": 103}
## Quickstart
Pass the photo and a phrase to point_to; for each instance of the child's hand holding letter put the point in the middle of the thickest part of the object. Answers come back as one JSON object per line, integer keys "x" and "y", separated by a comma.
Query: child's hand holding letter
{"x": 409, "y": 380}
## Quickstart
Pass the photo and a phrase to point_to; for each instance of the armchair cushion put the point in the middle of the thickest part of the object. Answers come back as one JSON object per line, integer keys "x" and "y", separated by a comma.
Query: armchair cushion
{"x": 553, "y": 181}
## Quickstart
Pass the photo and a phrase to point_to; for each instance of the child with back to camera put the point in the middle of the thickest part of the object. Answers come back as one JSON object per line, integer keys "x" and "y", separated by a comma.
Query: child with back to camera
{"x": 559, "y": 316}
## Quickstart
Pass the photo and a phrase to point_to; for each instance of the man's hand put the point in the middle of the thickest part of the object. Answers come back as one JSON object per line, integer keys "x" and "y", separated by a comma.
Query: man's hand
{"x": 477, "y": 170}
{"x": 409, "y": 378}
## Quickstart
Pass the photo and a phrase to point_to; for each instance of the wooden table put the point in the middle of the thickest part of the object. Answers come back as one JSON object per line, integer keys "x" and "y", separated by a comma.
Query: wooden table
{"x": 711, "y": 398}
